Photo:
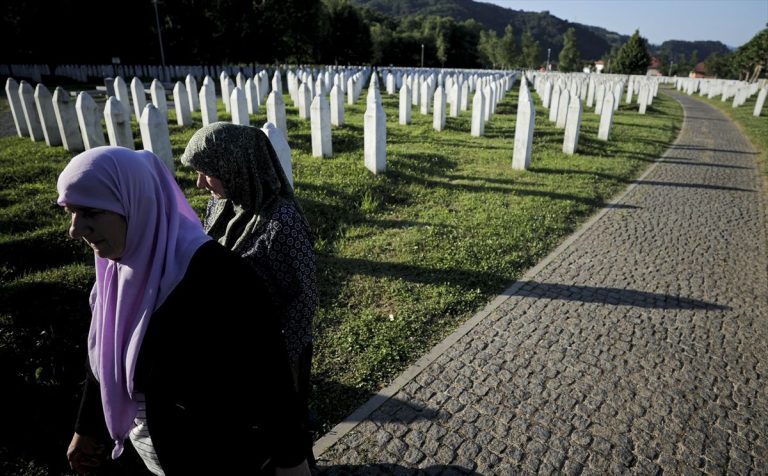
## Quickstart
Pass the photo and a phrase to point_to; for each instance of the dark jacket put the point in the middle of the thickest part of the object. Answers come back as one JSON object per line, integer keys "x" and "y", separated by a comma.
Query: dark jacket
{"x": 214, "y": 370}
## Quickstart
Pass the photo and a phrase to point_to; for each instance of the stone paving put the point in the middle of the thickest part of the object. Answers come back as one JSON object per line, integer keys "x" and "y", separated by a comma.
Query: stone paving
{"x": 640, "y": 347}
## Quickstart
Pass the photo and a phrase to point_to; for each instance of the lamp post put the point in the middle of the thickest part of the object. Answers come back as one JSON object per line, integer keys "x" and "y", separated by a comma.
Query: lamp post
{"x": 422, "y": 55}
{"x": 548, "y": 51}
{"x": 160, "y": 39}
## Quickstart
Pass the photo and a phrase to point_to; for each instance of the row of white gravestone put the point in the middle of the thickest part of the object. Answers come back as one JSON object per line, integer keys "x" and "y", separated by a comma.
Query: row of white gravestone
{"x": 39, "y": 115}
{"x": 740, "y": 91}
{"x": 77, "y": 127}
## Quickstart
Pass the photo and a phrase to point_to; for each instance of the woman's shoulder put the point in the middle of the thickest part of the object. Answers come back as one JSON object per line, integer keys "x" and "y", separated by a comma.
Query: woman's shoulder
{"x": 213, "y": 262}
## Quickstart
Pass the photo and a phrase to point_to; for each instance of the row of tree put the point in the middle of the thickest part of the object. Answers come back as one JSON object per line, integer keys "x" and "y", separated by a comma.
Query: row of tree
{"x": 307, "y": 32}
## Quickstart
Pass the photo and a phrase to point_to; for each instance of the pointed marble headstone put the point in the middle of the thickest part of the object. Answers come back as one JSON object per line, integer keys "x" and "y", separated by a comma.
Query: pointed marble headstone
{"x": 89, "y": 119}
{"x": 14, "y": 100}
{"x": 157, "y": 93}
{"x": 139, "y": 96}
{"x": 44, "y": 106}
{"x": 478, "y": 113}
{"x": 66, "y": 120}
{"x": 405, "y": 104}
{"x": 27, "y": 95}
{"x": 154, "y": 135}
{"x": 337, "y": 106}
{"x": 282, "y": 149}
{"x": 375, "y": 131}
{"x": 122, "y": 94}
{"x": 276, "y": 111}
{"x": 181, "y": 104}
{"x": 226, "y": 86}
{"x": 320, "y": 119}
{"x": 438, "y": 118}
{"x": 208, "y": 103}
{"x": 563, "y": 109}
{"x": 239, "y": 107}
{"x": 305, "y": 101}
{"x": 554, "y": 103}
{"x": 524, "y": 123}
{"x": 606, "y": 118}
{"x": 251, "y": 96}
{"x": 760, "y": 102}
{"x": 643, "y": 98}
{"x": 118, "y": 122}
{"x": 572, "y": 126}
{"x": 191, "y": 86}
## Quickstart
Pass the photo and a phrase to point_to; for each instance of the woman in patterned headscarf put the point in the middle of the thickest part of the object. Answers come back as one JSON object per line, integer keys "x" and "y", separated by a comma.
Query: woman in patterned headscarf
{"x": 253, "y": 212}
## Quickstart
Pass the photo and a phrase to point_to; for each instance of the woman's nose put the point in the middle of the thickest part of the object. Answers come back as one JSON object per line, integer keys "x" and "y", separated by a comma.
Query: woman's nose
{"x": 76, "y": 226}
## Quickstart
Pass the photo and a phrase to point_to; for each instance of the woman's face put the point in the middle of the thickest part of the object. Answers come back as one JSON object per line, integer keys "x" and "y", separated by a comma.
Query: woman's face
{"x": 212, "y": 184}
{"x": 104, "y": 231}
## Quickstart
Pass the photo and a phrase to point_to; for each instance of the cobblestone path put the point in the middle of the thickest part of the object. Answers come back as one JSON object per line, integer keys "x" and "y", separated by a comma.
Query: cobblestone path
{"x": 641, "y": 347}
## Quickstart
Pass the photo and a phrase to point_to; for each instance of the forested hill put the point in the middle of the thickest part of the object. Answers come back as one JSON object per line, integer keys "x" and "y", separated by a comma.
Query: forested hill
{"x": 593, "y": 41}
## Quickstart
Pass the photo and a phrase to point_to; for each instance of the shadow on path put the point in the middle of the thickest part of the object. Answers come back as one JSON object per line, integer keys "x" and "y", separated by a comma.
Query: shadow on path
{"x": 613, "y": 296}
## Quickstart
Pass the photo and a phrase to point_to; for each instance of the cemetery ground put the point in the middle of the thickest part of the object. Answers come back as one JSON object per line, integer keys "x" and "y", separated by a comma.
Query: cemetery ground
{"x": 403, "y": 257}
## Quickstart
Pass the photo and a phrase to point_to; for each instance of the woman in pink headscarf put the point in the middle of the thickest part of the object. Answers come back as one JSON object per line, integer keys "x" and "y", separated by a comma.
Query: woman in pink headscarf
{"x": 193, "y": 383}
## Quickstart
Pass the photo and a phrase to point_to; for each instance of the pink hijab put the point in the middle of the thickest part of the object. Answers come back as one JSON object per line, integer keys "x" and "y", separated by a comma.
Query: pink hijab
{"x": 162, "y": 235}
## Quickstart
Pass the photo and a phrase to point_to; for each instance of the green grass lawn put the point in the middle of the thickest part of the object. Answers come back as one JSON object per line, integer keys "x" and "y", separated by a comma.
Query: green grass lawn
{"x": 403, "y": 257}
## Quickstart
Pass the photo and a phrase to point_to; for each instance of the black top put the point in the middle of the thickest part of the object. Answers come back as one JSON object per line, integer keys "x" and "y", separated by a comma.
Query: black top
{"x": 215, "y": 374}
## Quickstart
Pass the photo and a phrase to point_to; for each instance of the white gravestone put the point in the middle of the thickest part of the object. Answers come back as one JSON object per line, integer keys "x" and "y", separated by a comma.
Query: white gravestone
{"x": 238, "y": 107}
{"x": 563, "y": 109}
{"x": 276, "y": 111}
{"x": 405, "y": 104}
{"x": 121, "y": 92}
{"x": 337, "y": 106}
{"x": 478, "y": 107}
{"x": 438, "y": 118}
{"x": 181, "y": 104}
{"x": 760, "y": 102}
{"x": 554, "y": 103}
{"x": 251, "y": 97}
{"x": 14, "y": 100}
{"x": 464, "y": 98}
{"x": 277, "y": 85}
{"x": 139, "y": 96}
{"x": 282, "y": 149}
{"x": 44, "y": 106}
{"x": 157, "y": 92}
{"x": 524, "y": 122}
{"x": 208, "y": 103}
{"x": 118, "y": 121}
{"x": 643, "y": 99}
{"x": 375, "y": 131}
{"x": 305, "y": 101}
{"x": 226, "y": 89}
{"x": 89, "y": 119}
{"x": 572, "y": 126}
{"x": 27, "y": 95}
{"x": 191, "y": 86}
{"x": 154, "y": 135}
{"x": 591, "y": 93}
{"x": 606, "y": 118}
{"x": 320, "y": 124}
{"x": 599, "y": 98}
{"x": 67, "y": 121}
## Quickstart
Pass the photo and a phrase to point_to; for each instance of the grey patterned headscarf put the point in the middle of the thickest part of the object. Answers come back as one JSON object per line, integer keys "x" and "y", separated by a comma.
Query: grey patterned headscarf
{"x": 254, "y": 182}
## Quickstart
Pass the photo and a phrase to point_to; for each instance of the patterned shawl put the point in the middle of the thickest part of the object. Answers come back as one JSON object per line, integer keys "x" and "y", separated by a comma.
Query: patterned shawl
{"x": 243, "y": 159}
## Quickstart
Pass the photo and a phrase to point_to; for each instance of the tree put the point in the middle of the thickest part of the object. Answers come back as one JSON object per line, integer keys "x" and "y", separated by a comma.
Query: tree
{"x": 507, "y": 52}
{"x": 531, "y": 50}
{"x": 347, "y": 38}
{"x": 569, "y": 55}
{"x": 719, "y": 65}
{"x": 751, "y": 59}
{"x": 633, "y": 56}
{"x": 487, "y": 47}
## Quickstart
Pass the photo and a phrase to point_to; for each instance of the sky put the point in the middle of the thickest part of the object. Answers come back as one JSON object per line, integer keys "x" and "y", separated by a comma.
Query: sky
{"x": 733, "y": 22}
